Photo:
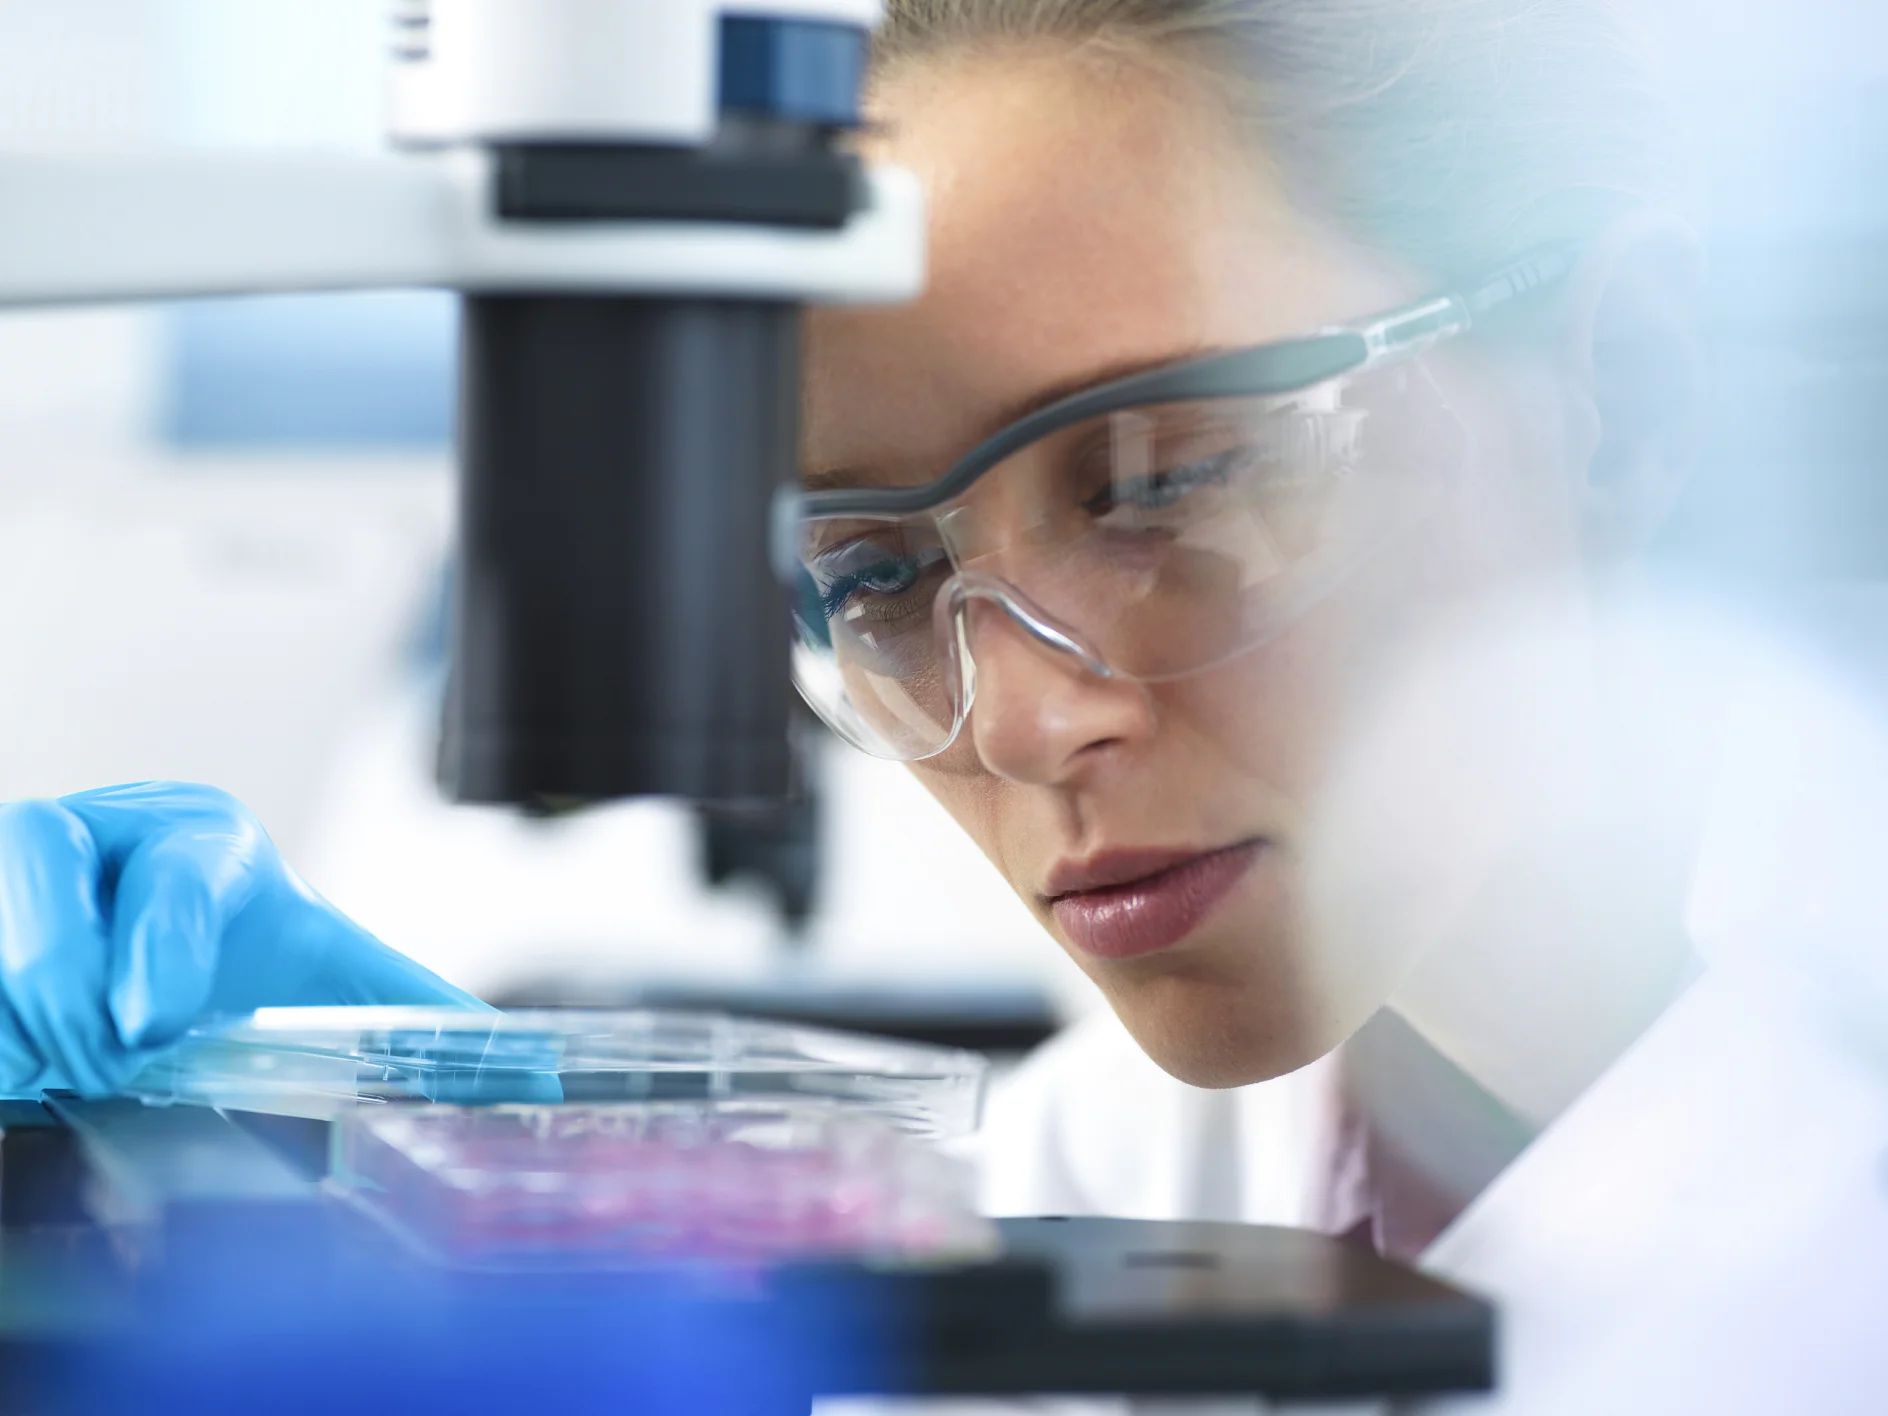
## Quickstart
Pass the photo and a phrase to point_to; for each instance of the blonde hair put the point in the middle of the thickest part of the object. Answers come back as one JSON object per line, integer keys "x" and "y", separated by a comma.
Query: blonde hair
{"x": 1451, "y": 133}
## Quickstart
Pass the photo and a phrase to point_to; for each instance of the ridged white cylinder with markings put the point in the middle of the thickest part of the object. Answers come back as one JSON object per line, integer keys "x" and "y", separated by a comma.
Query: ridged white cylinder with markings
{"x": 620, "y": 71}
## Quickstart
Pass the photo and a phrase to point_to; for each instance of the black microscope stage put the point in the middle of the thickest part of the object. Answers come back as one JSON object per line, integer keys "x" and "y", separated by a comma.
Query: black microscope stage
{"x": 121, "y": 1221}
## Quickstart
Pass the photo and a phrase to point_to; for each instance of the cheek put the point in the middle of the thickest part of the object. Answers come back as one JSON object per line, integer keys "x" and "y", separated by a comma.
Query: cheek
{"x": 1256, "y": 720}
{"x": 1503, "y": 517}
{"x": 989, "y": 810}
{"x": 1278, "y": 714}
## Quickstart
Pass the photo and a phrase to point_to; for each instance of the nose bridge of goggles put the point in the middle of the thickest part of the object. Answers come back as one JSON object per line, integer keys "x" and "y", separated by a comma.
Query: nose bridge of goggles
{"x": 951, "y": 620}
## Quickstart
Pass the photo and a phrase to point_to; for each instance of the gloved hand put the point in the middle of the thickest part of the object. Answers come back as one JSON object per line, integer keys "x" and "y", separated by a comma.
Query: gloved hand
{"x": 128, "y": 913}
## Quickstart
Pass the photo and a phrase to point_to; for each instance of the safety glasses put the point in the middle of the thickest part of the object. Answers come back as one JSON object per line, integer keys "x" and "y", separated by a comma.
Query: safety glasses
{"x": 1150, "y": 528}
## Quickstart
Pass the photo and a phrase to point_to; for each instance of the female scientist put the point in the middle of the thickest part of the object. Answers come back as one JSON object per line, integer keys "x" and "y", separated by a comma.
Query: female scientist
{"x": 1264, "y": 345}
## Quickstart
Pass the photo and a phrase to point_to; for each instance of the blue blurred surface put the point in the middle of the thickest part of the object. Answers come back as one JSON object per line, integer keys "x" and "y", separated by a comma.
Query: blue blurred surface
{"x": 360, "y": 370}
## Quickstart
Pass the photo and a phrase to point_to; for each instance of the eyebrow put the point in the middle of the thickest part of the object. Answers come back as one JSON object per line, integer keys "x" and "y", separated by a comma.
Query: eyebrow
{"x": 849, "y": 477}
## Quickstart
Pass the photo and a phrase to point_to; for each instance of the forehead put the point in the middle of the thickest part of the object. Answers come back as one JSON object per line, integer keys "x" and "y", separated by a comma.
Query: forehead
{"x": 1086, "y": 211}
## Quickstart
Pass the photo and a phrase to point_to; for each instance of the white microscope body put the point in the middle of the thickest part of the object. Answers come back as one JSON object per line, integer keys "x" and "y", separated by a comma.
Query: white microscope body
{"x": 467, "y": 76}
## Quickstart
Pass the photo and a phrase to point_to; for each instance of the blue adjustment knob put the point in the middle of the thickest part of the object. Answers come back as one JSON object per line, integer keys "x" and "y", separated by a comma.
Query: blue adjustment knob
{"x": 808, "y": 71}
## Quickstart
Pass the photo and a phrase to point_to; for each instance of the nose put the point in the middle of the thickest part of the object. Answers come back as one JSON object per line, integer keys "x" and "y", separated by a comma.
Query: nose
{"x": 1045, "y": 715}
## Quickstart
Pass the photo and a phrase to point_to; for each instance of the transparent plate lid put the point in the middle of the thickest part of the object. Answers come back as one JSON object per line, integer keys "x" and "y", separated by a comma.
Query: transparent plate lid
{"x": 321, "y": 1061}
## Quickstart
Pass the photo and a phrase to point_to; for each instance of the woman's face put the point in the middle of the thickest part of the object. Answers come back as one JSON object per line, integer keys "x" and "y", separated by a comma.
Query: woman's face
{"x": 1091, "y": 215}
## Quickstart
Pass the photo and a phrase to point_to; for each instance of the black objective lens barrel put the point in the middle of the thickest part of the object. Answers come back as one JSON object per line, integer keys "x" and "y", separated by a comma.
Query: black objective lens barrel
{"x": 618, "y": 628}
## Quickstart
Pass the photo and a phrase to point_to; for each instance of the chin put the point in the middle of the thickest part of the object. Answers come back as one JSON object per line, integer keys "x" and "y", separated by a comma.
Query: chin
{"x": 1209, "y": 1030}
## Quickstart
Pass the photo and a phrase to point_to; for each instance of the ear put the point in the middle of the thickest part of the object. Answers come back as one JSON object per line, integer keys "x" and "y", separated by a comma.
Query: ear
{"x": 1633, "y": 351}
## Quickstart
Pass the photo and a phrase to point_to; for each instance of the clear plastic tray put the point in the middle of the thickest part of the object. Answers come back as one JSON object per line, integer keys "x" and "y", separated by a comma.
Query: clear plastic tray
{"x": 629, "y": 1184}
{"x": 321, "y": 1062}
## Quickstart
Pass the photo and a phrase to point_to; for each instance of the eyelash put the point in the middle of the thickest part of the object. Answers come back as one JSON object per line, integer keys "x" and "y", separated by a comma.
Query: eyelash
{"x": 835, "y": 597}
{"x": 1205, "y": 471}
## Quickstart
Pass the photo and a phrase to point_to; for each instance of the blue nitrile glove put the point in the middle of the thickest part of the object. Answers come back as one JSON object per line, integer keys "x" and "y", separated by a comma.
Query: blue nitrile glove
{"x": 128, "y": 913}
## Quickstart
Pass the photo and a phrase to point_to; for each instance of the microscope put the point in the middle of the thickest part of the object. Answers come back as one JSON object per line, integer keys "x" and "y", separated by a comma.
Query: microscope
{"x": 635, "y": 200}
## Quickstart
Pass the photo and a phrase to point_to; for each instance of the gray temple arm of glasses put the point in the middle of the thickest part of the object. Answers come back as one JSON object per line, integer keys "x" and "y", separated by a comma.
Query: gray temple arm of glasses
{"x": 1261, "y": 371}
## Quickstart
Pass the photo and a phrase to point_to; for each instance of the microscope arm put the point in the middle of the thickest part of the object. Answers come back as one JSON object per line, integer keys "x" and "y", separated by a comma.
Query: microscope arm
{"x": 163, "y": 225}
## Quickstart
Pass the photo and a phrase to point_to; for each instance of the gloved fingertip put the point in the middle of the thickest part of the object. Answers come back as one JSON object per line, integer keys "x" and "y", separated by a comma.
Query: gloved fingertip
{"x": 164, "y": 973}
{"x": 134, "y": 1011}
{"x": 133, "y": 1014}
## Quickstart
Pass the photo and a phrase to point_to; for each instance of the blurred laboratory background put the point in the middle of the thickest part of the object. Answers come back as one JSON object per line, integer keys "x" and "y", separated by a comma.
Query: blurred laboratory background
{"x": 224, "y": 534}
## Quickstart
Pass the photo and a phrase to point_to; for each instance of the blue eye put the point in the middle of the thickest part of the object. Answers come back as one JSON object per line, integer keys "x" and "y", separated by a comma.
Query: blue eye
{"x": 885, "y": 579}
{"x": 1161, "y": 490}
{"x": 872, "y": 577}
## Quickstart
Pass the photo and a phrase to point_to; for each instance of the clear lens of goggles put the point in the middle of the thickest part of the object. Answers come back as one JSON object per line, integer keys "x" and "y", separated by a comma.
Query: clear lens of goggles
{"x": 1152, "y": 542}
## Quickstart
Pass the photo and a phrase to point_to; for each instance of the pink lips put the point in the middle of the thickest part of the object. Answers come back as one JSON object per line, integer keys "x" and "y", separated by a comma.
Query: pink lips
{"x": 1129, "y": 903}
